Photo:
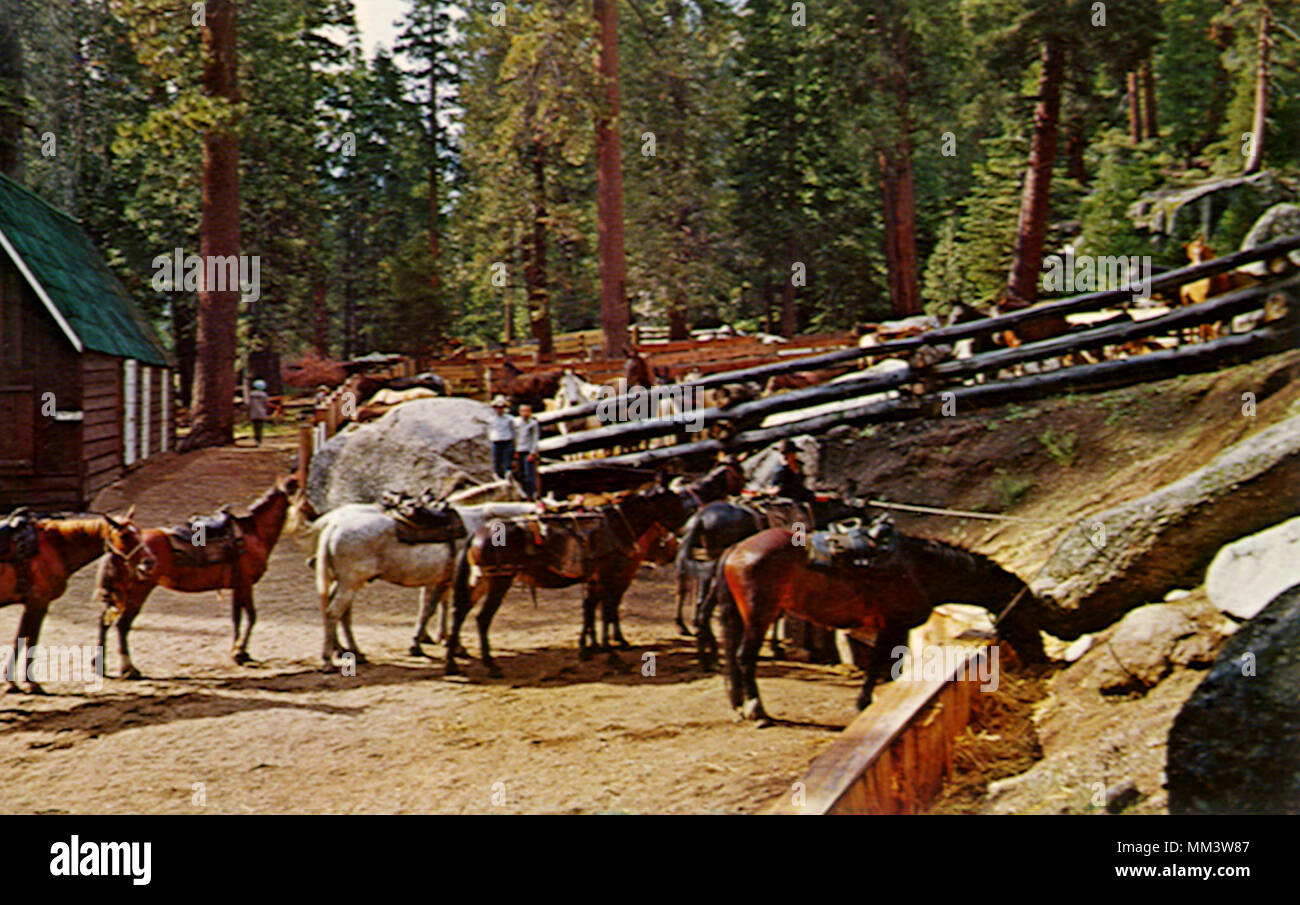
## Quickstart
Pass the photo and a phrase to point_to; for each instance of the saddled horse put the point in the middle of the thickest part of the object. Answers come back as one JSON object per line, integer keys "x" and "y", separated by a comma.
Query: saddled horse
{"x": 601, "y": 549}
{"x": 34, "y": 569}
{"x": 246, "y": 543}
{"x": 357, "y": 543}
{"x": 718, "y": 525}
{"x": 769, "y": 574}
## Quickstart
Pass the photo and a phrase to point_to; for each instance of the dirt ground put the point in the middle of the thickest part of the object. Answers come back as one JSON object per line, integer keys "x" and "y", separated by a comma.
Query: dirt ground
{"x": 201, "y": 734}
{"x": 554, "y": 735}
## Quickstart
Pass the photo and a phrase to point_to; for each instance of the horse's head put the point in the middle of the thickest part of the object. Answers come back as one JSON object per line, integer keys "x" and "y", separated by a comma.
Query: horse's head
{"x": 124, "y": 541}
{"x": 725, "y": 476}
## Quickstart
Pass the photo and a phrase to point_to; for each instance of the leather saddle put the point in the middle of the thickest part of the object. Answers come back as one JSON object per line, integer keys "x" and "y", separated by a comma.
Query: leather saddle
{"x": 852, "y": 544}
{"x": 207, "y": 540}
{"x": 782, "y": 512}
{"x": 18, "y": 537}
{"x": 422, "y": 520}
{"x": 566, "y": 542}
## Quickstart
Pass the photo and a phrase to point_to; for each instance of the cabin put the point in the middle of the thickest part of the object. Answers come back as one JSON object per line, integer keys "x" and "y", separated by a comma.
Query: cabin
{"x": 85, "y": 383}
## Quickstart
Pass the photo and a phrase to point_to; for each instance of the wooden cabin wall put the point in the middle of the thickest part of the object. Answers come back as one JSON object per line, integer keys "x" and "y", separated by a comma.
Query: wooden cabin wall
{"x": 40, "y": 455}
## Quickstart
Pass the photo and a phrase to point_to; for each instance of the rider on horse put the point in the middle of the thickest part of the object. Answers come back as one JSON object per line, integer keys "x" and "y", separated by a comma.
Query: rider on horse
{"x": 789, "y": 477}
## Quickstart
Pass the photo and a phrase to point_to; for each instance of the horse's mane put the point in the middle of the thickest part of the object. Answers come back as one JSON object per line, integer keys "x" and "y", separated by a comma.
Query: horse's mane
{"x": 954, "y": 552}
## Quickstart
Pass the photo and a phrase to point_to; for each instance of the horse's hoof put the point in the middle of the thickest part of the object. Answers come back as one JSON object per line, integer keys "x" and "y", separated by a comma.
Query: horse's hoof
{"x": 360, "y": 658}
{"x": 623, "y": 645}
{"x": 778, "y": 652}
{"x": 753, "y": 710}
{"x": 241, "y": 657}
{"x": 462, "y": 652}
{"x": 494, "y": 671}
{"x": 684, "y": 631}
{"x": 131, "y": 673}
{"x": 451, "y": 668}
{"x": 415, "y": 650}
{"x": 425, "y": 639}
{"x": 328, "y": 666}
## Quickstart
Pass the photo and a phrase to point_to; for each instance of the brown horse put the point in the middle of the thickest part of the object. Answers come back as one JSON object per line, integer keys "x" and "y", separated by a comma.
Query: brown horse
{"x": 601, "y": 549}
{"x": 1198, "y": 291}
{"x": 769, "y": 574}
{"x": 122, "y": 594}
{"x": 64, "y": 545}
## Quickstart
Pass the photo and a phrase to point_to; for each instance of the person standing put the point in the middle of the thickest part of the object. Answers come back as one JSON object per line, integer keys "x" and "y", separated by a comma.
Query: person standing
{"x": 527, "y": 434}
{"x": 259, "y": 405}
{"x": 501, "y": 434}
{"x": 789, "y": 481}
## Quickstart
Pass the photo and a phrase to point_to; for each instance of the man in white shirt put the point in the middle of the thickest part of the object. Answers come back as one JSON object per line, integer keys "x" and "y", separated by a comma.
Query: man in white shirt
{"x": 501, "y": 433}
{"x": 527, "y": 433}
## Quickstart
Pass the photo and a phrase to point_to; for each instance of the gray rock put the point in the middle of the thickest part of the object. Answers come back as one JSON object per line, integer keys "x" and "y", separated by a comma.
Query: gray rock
{"x": 1278, "y": 221}
{"x": 1244, "y": 576}
{"x": 1141, "y": 651}
{"x": 425, "y": 443}
{"x": 1234, "y": 747}
{"x": 1142, "y": 549}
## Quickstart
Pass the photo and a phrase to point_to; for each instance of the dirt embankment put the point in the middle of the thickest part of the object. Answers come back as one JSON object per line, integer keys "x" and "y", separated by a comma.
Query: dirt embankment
{"x": 556, "y": 735}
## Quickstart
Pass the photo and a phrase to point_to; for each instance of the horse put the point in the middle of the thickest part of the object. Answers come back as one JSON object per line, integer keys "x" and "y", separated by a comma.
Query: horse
{"x": 64, "y": 544}
{"x": 357, "y": 543}
{"x": 769, "y": 574}
{"x": 718, "y": 525}
{"x": 603, "y": 554}
{"x": 121, "y": 594}
{"x": 531, "y": 388}
{"x": 1199, "y": 290}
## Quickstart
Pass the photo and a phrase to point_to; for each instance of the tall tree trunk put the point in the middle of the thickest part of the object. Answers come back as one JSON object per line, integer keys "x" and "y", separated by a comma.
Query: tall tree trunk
{"x": 539, "y": 308}
{"x": 1260, "y": 120}
{"x": 1134, "y": 108}
{"x": 614, "y": 315}
{"x": 1147, "y": 82}
{"x": 12, "y": 92}
{"x": 678, "y": 325}
{"x": 186, "y": 352}
{"x": 1076, "y": 142}
{"x": 214, "y": 378}
{"x": 1035, "y": 203}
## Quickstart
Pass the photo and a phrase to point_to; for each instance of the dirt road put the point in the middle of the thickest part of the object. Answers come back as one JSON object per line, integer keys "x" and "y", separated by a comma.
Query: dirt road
{"x": 201, "y": 734}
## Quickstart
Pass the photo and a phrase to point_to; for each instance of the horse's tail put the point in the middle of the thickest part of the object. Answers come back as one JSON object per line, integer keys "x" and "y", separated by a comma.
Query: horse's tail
{"x": 689, "y": 539}
{"x": 321, "y": 561}
{"x": 716, "y": 591}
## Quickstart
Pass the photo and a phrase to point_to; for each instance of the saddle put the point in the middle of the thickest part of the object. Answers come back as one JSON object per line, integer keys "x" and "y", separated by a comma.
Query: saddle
{"x": 422, "y": 520}
{"x": 565, "y": 542}
{"x": 207, "y": 540}
{"x": 781, "y": 512}
{"x": 851, "y": 544}
{"x": 18, "y": 537}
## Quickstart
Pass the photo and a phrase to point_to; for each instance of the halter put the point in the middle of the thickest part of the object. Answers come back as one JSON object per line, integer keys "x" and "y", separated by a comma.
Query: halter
{"x": 126, "y": 557}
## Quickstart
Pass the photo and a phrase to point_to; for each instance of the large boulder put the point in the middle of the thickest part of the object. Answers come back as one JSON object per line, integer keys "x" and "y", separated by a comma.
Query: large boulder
{"x": 1148, "y": 643}
{"x": 1235, "y": 745}
{"x": 1277, "y": 222}
{"x": 1141, "y": 549}
{"x": 1247, "y": 574}
{"x": 426, "y": 443}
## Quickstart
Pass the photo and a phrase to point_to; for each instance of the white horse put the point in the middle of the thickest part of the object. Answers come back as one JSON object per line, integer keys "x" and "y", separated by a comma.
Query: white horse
{"x": 357, "y": 543}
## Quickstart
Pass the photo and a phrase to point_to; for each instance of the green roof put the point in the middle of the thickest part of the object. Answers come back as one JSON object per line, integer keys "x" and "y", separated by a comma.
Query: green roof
{"x": 68, "y": 275}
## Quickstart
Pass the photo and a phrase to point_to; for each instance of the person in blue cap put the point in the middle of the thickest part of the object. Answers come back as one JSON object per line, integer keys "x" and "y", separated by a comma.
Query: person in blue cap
{"x": 259, "y": 405}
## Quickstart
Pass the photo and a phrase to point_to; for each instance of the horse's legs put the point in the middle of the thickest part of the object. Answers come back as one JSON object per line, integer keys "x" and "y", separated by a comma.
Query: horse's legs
{"x": 609, "y": 601}
{"x": 463, "y": 599}
{"x": 352, "y": 648}
{"x": 333, "y": 606}
{"x": 750, "y": 642}
{"x": 428, "y": 601}
{"x": 778, "y": 652}
{"x": 686, "y": 579}
{"x": 732, "y": 629}
{"x": 882, "y": 652}
{"x": 590, "y": 596}
{"x": 241, "y": 601}
{"x": 29, "y": 629}
{"x": 123, "y": 626}
{"x": 485, "y": 614}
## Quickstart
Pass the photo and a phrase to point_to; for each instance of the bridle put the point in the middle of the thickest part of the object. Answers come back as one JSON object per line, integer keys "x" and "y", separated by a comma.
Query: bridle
{"x": 125, "y": 557}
